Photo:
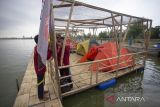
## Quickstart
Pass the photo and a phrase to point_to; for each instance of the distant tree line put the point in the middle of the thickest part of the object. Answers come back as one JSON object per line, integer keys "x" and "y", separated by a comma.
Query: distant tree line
{"x": 155, "y": 32}
{"x": 135, "y": 31}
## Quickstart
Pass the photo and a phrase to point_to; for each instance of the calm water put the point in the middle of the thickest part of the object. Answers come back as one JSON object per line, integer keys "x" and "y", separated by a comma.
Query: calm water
{"x": 141, "y": 84}
{"x": 14, "y": 56}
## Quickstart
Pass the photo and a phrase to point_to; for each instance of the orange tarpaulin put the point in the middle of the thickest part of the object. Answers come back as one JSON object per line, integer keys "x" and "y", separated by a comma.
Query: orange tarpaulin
{"x": 104, "y": 51}
{"x": 92, "y": 53}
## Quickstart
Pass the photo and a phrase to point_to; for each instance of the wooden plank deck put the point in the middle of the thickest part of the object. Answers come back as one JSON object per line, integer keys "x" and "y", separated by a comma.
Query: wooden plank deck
{"x": 27, "y": 95}
{"x": 83, "y": 79}
{"x": 86, "y": 82}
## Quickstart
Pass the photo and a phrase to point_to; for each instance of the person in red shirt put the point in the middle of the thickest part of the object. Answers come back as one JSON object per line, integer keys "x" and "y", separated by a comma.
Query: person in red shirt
{"x": 64, "y": 71}
{"x": 40, "y": 69}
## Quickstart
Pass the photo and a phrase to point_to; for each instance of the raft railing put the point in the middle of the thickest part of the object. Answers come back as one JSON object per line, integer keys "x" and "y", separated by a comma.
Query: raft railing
{"x": 93, "y": 79}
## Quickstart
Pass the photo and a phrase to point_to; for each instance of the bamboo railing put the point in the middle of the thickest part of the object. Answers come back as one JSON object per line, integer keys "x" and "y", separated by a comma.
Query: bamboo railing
{"x": 119, "y": 38}
{"x": 94, "y": 77}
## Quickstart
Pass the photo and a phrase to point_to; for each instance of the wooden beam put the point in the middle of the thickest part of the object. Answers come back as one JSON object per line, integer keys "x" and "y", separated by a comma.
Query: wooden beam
{"x": 66, "y": 33}
{"x": 119, "y": 46}
{"x": 86, "y": 26}
{"x": 91, "y": 62}
{"x": 54, "y": 50}
{"x": 117, "y": 23}
{"x": 113, "y": 28}
{"x": 81, "y": 22}
{"x": 82, "y": 27}
{"x": 105, "y": 10}
{"x": 65, "y": 5}
{"x": 96, "y": 20}
{"x": 125, "y": 35}
{"x": 150, "y": 27}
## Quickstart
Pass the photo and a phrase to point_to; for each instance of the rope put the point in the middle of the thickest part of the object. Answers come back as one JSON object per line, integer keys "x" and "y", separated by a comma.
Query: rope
{"x": 41, "y": 81}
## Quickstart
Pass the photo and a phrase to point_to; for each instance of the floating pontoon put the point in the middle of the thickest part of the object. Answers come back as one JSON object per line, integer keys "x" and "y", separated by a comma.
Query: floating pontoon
{"x": 70, "y": 14}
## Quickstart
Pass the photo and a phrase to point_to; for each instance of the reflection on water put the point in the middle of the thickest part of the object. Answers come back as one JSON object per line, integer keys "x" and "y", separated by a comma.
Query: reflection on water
{"x": 14, "y": 56}
{"x": 144, "y": 84}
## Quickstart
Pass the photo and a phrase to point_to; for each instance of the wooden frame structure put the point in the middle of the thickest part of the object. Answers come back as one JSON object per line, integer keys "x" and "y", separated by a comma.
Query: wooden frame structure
{"x": 64, "y": 14}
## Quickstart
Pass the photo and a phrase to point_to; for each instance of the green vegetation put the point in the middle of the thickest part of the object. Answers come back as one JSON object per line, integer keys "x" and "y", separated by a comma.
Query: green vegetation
{"x": 102, "y": 34}
{"x": 135, "y": 31}
{"x": 155, "y": 33}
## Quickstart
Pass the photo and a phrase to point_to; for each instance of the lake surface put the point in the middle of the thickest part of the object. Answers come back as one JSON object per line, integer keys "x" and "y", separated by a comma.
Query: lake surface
{"x": 15, "y": 54}
{"x": 140, "y": 84}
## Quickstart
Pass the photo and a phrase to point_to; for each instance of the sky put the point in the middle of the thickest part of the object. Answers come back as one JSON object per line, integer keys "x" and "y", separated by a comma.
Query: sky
{"x": 22, "y": 17}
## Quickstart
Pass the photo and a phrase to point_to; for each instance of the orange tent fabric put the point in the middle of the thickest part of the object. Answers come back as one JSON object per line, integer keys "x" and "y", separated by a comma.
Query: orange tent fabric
{"x": 105, "y": 51}
{"x": 109, "y": 50}
{"x": 92, "y": 53}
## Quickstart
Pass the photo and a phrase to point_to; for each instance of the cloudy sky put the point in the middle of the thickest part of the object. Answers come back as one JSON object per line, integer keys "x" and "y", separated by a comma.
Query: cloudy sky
{"x": 22, "y": 17}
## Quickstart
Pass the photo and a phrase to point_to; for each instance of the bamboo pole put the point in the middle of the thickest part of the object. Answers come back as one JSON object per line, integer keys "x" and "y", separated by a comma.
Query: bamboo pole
{"x": 81, "y": 22}
{"x": 145, "y": 41}
{"x": 129, "y": 60}
{"x": 87, "y": 86}
{"x": 62, "y": 2}
{"x": 97, "y": 72}
{"x": 93, "y": 32}
{"x": 54, "y": 51}
{"x": 92, "y": 21}
{"x": 66, "y": 33}
{"x": 113, "y": 28}
{"x": 150, "y": 27}
{"x": 112, "y": 37}
{"x": 117, "y": 69}
{"x": 73, "y": 75}
{"x": 115, "y": 37}
{"x": 146, "y": 35}
{"x": 125, "y": 35}
{"x": 105, "y": 10}
{"x": 91, "y": 78}
{"x": 84, "y": 26}
{"x": 97, "y": 75}
{"x": 119, "y": 45}
{"x": 114, "y": 70}
{"x": 118, "y": 24}
{"x": 91, "y": 62}
{"x": 89, "y": 30}
{"x": 91, "y": 74}
{"x": 80, "y": 80}
{"x": 142, "y": 24}
{"x": 116, "y": 65}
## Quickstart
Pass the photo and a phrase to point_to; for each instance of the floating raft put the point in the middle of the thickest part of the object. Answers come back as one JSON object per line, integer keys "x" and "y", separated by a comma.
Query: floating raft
{"x": 83, "y": 79}
{"x": 27, "y": 95}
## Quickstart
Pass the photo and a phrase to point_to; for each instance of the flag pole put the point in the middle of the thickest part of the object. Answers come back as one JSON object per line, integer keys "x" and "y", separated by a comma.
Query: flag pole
{"x": 54, "y": 49}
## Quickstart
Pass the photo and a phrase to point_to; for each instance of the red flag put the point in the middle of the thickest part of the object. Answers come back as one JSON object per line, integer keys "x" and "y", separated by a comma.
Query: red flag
{"x": 42, "y": 46}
